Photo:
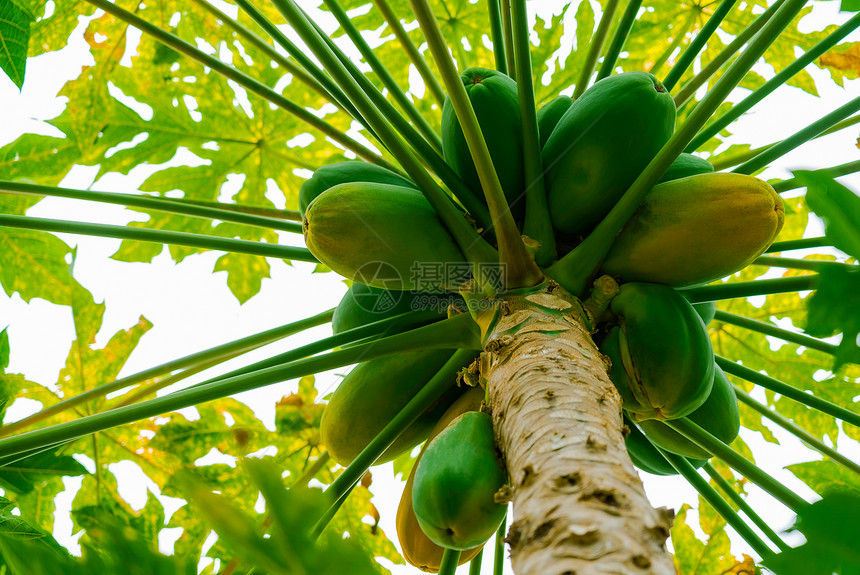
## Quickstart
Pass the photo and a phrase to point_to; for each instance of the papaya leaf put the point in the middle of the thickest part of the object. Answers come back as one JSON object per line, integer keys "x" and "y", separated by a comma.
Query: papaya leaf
{"x": 825, "y": 477}
{"x": 843, "y": 61}
{"x": 15, "y": 21}
{"x": 830, "y": 527}
{"x": 838, "y": 206}
{"x": 695, "y": 557}
{"x": 850, "y": 6}
{"x": 21, "y": 475}
{"x": 4, "y": 349}
{"x": 833, "y": 308}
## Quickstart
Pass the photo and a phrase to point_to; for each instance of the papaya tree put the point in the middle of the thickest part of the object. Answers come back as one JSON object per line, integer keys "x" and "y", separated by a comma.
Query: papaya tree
{"x": 556, "y": 257}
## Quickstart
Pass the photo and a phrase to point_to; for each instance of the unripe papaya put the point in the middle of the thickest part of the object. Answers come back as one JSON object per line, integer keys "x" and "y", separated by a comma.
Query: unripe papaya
{"x": 697, "y": 229}
{"x": 383, "y": 236}
{"x": 418, "y": 550}
{"x": 366, "y": 304}
{"x": 374, "y": 392}
{"x": 495, "y": 100}
{"x": 549, "y": 115}
{"x": 646, "y": 457}
{"x": 706, "y": 310}
{"x": 601, "y": 144}
{"x": 718, "y": 415}
{"x": 686, "y": 165}
{"x": 345, "y": 172}
{"x": 455, "y": 484}
{"x": 662, "y": 360}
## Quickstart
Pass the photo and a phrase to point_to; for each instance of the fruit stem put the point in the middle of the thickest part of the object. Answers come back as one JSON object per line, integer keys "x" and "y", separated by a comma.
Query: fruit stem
{"x": 152, "y": 203}
{"x": 758, "y": 95}
{"x": 215, "y": 353}
{"x": 576, "y": 269}
{"x": 518, "y": 267}
{"x": 733, "y": 290}
{"x": 748, "y": 469}
{"x": 412, "y": 51}
{"x": 800, "y": 137}
{"x": 159, "y": 237}
{"x": 697, "y": 44}
{"x": 382, "y": 73}
{"x": 801, "y": 244}
{"x": 475, "y": 564}
{"x": 457, "y": 332}
{"x": 245, "y": 81}
{"x": 477, "y": 251}
{"x": 621, "y": 34}
{"x": 788, "y": 391}
{"x": 690, "y": 88}
{"x": 723, "y": 164}
{"x": 595, "y": 47}
{"x": 774, "y": 331}
{"x": 799, "y": 264}
{"x": 450, "y": 558}
{"x": 499, "y": 551}
{"x": 538, "y": 225}
{"x": 508, "y": 33}
{"x": 744, "y": 506}
{"x": 676, "y": 42}
{"x": 498, "y": 39}
{"x": 710, "y": 495}
{"x": 429, "y": 394}
{"x": 797, "y": 431}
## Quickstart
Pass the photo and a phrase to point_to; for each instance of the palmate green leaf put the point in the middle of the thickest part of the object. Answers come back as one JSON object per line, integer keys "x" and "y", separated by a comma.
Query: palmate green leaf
{"x": 549, "y": 59}
{"x": 4, "y": 349}
{"x": 838, "y": 206}
{"x": 15, "y": 21}
{"x": 824, "y": 477}
{"x": 21, "y": 475}
{"x": 694, "y": 557}
{"x": 833, "y": 309}
{"x": 42, "y": 255}
{"x": 830, "y": 527}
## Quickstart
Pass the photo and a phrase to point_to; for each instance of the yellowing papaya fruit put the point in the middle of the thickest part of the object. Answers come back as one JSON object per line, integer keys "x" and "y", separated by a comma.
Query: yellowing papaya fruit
{"x": 686, "y": 165}
{"x": 374, "y": 392}
{"x": 418, "y": 549}
{"x": 646, "y": 457}
{"x": 662, "y": 359}
{"x": 455, "y": 484}
{"x": 345, "y": 172}
{"x": 364, "y": 304}
{"x": 601, "y": 144}
{"x": 696, "y": 229}
{"x": 718, "y": 415}
{"x": 549, "y": 115}
{"x": 383, "y": 236}
{"x": 495, "y": 100}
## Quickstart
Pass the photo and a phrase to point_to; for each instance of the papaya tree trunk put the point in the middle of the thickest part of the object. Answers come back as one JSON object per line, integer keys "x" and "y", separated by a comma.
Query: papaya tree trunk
{"x": 579, "y": 506}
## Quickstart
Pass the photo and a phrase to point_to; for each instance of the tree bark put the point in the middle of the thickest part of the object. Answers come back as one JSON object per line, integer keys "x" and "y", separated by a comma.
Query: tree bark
{"x": 579, "y": 506}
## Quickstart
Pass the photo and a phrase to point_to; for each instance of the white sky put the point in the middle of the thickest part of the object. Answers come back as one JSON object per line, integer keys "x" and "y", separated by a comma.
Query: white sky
{"x": 171, "y": 296}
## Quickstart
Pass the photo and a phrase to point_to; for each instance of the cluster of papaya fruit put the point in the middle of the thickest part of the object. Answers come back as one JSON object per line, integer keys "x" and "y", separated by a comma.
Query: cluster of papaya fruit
{"x": 449, "y": 496}
{"x": 694, "y": 226}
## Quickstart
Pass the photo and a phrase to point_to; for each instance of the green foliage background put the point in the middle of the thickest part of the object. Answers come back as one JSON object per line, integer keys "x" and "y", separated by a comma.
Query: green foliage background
{"x": 194, "y": 109}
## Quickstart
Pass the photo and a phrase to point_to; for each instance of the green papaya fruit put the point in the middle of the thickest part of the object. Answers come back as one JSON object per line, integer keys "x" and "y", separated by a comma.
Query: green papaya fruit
{"x": 686, "y": 165}
{"x": 646, "y": 457}
{"x": 418, "y": 550}
{"x": 696, "y": 229}
{"x": 374, "y": 392}
{"x": 549, "y": 115}
{"x": 455, "y": 484}
{"x": 601, "y": 144}
{"x": 662, "y": 360}
{"x": 383, "y": 236}
{"x": 495, "y": 100}
{"x": 718, "y": 415}
{"x": 706, "y": 310}
{"x": 345, "y": 172}
{"x": 364, "y": 304}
